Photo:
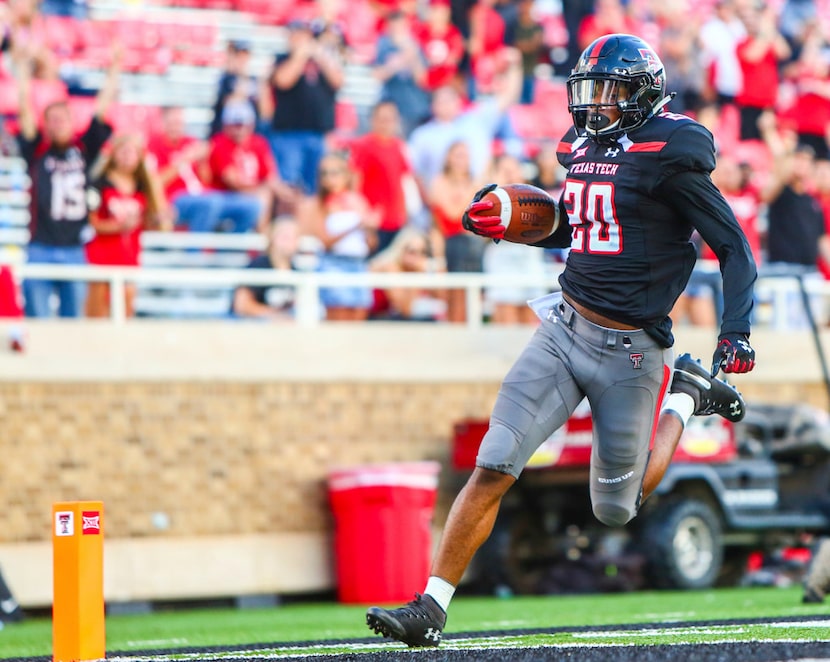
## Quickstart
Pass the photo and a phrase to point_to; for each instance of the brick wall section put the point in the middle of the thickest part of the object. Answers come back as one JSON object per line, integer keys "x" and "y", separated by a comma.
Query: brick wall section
{"x": 220, "y": 458}
{"x": 216, "y": 458}
{"x": 233, "y": 429}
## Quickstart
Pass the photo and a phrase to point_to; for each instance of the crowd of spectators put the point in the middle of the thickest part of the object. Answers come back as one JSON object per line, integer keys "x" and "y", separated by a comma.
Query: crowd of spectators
{"x": 450, "y": 75}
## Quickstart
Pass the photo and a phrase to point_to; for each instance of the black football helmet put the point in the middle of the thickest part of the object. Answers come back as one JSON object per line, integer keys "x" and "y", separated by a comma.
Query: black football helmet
{"x": 616, "y": 71}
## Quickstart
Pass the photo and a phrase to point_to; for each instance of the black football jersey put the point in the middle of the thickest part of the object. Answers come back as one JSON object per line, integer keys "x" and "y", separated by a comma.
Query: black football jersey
{"x": 631, "y": 207}
{"x": 59, "y": 184}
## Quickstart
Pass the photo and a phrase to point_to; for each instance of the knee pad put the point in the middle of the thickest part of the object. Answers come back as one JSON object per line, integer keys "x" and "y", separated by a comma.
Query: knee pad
{"x": 612, "y": 513}
{"x": 499, "y": 450}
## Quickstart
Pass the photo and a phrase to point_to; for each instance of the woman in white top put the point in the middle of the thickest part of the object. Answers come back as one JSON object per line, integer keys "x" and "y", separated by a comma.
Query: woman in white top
{"x": 347, "y": 227}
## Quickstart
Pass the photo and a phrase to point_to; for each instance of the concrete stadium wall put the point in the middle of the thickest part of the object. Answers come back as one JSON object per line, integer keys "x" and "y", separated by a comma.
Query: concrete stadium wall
{"x": 210, "y": 443}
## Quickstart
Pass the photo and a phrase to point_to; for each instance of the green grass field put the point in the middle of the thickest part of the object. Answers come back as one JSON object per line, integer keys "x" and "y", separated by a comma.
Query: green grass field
{"x": 307, "y": 622}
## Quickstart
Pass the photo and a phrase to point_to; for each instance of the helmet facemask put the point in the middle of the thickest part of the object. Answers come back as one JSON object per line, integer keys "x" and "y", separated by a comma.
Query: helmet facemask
{"x": 589, "y": 96}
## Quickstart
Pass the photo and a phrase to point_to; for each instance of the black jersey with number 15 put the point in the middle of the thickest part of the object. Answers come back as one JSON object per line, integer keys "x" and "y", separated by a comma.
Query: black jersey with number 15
{"x": 631, "y": 206}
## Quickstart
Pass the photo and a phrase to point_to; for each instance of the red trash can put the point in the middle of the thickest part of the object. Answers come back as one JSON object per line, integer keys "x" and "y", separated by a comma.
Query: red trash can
{"x": 382, "y": 530}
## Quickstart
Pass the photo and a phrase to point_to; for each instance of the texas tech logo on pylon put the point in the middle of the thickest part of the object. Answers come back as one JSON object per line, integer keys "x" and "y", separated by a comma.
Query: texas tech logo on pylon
{"x": 90, "y": 523}
{"x": 64, "y": 523}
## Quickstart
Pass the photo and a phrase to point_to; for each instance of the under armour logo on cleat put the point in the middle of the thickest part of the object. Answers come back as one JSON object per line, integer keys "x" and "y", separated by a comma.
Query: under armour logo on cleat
{"x": 433, "y": 634}
{"x": 735, "y": 407}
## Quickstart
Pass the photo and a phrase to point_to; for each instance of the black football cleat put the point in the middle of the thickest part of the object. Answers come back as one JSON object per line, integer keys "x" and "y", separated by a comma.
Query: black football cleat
{"x": 418, "y": 623}
{"x": 711, "y": 395}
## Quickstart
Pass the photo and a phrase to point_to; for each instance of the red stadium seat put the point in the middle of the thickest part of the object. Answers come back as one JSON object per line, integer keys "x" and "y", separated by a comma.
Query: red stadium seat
{"x": 62, "y": 34}
{"x": 275, "y": 12}
{"x": 94, "y": 34}
{"x": 8, "y": 96}
{"x": 754, "y": 152}
{"x": 551, "y": 93}
{"x": 45, "y": 92}
{"x": 196, "y": 45}
{"x": 124, "y": 118}
{"x": 42, "y": 93}
{"x": 135, "y": 118}
{"x": 728, "y": 130}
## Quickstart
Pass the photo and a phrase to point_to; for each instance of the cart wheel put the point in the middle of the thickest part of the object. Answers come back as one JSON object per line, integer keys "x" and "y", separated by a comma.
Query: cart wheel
{"x": 683, "y": 544}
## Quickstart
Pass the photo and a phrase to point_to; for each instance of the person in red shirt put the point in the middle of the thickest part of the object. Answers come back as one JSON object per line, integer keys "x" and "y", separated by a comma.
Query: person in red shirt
{"x": 442, "y": 44}
{"x": 380, "y": 161}
{"x": 241, "y": 174}
{"x": 759, "y": 55}
{"x": 810, "y": 111}
{"x": 125, "y": 200}
{"x": 735, "y": 179}
{"x": 177, "y": 156}
{"x": 610, "y": 16}
{"x": 487, "y": 30}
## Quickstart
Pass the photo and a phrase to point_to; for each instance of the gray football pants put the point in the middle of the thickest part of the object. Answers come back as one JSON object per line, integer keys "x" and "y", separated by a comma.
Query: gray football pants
{"x": 625, "y": 376}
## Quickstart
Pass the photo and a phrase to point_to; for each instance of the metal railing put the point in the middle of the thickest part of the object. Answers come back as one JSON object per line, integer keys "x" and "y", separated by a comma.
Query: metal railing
{"x": 307, "y": 284}
{"x": 773, "y": 289}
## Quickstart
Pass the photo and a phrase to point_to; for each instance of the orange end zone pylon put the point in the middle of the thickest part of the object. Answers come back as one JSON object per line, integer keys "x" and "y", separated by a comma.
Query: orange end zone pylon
{"x": 78, "y": 581}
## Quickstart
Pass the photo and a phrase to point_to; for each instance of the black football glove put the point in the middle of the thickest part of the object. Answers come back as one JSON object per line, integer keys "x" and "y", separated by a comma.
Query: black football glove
{"x": 484, "y": 226}
{"x": 733, "y": 354}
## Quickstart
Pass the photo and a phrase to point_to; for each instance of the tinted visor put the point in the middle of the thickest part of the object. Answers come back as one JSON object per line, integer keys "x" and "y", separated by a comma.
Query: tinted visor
{"x": 597, "y": 91}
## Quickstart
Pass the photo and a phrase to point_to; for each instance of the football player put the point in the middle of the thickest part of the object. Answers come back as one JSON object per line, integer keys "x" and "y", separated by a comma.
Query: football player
{"x": 638, "y": 184}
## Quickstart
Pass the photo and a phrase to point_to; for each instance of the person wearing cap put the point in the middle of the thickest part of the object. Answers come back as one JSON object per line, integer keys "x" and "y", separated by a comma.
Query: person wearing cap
{"x": 241, "y": 176}
{"x": 236, "y": 81}
{"x": 304, "y": 82}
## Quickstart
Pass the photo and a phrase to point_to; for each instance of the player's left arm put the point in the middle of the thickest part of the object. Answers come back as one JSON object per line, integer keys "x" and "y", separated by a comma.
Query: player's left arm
{"x": 689, "y": 190}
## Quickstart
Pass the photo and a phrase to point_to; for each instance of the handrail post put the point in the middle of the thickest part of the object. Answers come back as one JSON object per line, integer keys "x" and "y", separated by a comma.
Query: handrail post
{"x": 118, "y": 305}
{"x": 307, "y": 306}
{"x": 475, "y": 310}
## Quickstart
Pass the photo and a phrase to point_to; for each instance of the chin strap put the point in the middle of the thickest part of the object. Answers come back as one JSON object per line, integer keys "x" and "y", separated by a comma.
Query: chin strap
{"x": 659, "y": 105}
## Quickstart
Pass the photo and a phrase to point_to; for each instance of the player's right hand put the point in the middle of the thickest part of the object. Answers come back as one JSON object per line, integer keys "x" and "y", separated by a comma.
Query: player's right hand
{"x": 487, "y": 225}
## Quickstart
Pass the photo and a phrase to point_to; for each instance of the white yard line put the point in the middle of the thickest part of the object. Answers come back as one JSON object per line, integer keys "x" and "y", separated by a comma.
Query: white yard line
{"x": 725, "y": 634}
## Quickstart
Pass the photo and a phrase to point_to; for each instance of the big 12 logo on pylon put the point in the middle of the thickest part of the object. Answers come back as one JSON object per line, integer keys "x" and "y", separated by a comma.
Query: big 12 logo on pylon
{"x": 90, "y": 523}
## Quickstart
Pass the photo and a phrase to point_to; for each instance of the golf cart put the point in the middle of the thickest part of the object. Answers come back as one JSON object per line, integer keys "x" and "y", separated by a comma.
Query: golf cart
{"x": 731, "y": 490}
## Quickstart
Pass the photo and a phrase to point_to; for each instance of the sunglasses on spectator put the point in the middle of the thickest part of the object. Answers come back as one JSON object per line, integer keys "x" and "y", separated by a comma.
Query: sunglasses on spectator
{"x": 327, "y": 172}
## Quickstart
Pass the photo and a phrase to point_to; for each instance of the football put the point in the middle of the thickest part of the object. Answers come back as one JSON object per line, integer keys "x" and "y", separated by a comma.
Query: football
{"x": 527, "y": 212}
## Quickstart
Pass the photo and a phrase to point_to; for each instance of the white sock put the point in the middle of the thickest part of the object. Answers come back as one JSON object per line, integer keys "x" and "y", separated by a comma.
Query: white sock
{"x": 440, "y": 590}
{"x": 681, "y": 405}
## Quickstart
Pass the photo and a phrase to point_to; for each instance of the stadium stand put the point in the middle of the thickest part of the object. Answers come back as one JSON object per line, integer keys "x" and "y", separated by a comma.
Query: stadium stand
{"x": 174, "y": 54}
{"x": 184, "y": 250}
{"x": 14, "y": 210}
